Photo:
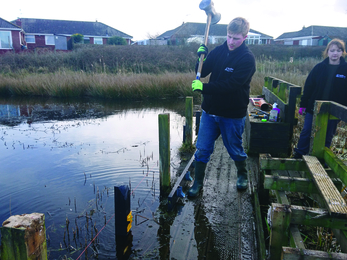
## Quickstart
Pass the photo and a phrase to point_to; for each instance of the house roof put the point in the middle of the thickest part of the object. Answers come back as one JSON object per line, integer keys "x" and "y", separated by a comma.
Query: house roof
{"x": 57, "y": 27}
{"x": 7, "y": 25}
{"x": 315, "y": 30}
{"x": 189, "y": 29}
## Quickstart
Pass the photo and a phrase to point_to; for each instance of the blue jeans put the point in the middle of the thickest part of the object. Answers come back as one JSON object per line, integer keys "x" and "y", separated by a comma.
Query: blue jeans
{"x": 211, "y": 127}
{"x": 303, "y": 146}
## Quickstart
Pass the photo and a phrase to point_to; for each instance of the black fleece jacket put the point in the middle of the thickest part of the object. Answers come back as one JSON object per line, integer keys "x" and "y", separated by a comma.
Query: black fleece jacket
{"x": 227, "y": 93}
{"x": 316, "y": 81}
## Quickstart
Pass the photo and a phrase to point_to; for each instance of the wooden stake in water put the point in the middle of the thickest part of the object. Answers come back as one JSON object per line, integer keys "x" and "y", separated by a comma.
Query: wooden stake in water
{"x": 164, "y": 152}
{"x": 24, "y": 237}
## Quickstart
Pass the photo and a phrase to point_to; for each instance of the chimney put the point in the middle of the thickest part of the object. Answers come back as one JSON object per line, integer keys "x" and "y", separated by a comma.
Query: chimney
{"x": 19, "y": 22}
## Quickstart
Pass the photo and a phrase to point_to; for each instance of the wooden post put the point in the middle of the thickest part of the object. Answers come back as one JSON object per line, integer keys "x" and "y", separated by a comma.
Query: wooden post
{"x": 189, "y": 121}
{"x": 319, "y": 128}
{"x": 164, "y": 152}
{"x": 280, "y": 230}
{"x": 24, "y": 237}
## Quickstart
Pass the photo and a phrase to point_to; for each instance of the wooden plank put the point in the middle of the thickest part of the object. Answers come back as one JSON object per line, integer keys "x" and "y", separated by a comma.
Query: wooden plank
{"x": 338, "y": 111}
{"x": 337, "y": 165}
{"x": 296, "y": 238}
{"x": 333, "y": 199}
{"x": 284, "y": 183}
{"x": 315, "y": 217}
{"x": 259, "y": 226}
{"x": 293, "y": 184}
{"x": 269, "y": 163}
{"x": 289, "y": 253}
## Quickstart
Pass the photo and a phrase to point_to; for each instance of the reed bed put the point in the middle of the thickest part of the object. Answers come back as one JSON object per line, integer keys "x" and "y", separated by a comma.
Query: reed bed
{"x": 135, "y": 72}
{"x": 68, "y": 83}
{"x": 101, "y": 85}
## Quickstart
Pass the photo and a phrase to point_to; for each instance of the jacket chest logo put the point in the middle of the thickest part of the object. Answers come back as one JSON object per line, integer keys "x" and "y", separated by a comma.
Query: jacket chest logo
{"x": 340, "y": 76}
{"x": 229, "y": 69}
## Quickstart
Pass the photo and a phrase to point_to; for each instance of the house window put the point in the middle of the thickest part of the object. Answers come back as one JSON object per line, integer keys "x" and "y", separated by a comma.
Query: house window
{"x": 253, "y": 39}
{"x": 97, "y": 40}
{"x": 86, "y": 40}
{"x": 30, "y": 38}
{"x": 49, "y": 39}
{"x": 5, "y": 40}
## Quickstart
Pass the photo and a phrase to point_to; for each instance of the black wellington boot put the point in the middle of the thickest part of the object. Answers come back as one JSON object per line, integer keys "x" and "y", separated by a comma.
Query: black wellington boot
{"x": 198, "y": 179}
{"x": 242, "y": 182}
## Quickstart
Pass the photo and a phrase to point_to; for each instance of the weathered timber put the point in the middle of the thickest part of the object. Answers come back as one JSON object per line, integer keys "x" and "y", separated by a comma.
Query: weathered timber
{"x": 269, "y": 163}
{"x": 267, "y": 137}
{"x": 319, "y": 128}
{"x": 24, "y": 237}
{"x": 273, "y": 137}
{"x": 333, "y": 199}
{"x": 284, "y": 94}
{"x": 337, "y": 165}
{"x": 189, "y": 121}
{"x": 280, "y": 229}
{"x": 281, "y": 197}
{"x": 314, "y": 217}
{"x": 296, "y": 240}
{"x": 289, "y": 253}
{"x": 339, "y": 111}
{"x": 164, "y": 152}
{"x": 293, "y": 184}
{"x": 259, "y": 227}
{"x": 290, "y": 184}
{"x": 341, "y": 236}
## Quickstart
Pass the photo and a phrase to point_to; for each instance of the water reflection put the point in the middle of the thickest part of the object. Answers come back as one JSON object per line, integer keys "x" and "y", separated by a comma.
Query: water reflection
{"x": 63, "y": 158}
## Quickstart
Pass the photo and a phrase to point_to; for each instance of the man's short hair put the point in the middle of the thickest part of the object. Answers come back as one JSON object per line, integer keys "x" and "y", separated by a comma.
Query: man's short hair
{"x": 238, "y": 25}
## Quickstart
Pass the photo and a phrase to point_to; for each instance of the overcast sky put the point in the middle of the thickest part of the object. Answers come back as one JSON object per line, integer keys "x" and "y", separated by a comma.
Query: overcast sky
{"x": 141, "y": 18}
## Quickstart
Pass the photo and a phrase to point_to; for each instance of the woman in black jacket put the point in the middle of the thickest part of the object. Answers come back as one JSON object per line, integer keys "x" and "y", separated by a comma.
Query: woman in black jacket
{"x": 327, "y": 81}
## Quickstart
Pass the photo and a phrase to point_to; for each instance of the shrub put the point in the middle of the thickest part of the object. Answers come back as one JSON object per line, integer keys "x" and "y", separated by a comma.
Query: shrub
{"x": 77, "y": 38}
{"x": 116, "y": 40}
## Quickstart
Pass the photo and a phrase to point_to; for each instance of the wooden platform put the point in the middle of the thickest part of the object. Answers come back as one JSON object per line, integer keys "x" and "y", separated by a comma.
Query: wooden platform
{"x": 332, "y": 197}
{"x": 220, "y": 223}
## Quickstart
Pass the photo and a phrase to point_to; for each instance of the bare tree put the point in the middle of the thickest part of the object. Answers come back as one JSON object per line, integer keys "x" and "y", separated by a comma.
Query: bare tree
{"x": 152, "y": 36}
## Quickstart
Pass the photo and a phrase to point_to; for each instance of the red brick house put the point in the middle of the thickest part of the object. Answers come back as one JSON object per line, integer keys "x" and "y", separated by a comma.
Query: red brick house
{"x": 55, "y": 34}
{"x": 11, "y": 37}
{"x": 313, "y": 35}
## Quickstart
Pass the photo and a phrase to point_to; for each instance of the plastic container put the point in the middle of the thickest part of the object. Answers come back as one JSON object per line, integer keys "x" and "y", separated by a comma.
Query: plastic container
{"x": 274, "y": 113}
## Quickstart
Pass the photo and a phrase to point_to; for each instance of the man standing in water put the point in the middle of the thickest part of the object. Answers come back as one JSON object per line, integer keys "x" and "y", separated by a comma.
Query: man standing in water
{"x": 225, "y": 101}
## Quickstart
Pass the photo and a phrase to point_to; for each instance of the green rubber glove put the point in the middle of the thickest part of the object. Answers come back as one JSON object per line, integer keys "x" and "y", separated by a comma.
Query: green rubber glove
{"x": 197, "y": 85}
{"x": 202, "y": 50}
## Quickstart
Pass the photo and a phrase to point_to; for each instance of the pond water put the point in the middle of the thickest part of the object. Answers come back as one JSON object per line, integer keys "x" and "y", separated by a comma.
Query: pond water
{"x": 64, "y": 157}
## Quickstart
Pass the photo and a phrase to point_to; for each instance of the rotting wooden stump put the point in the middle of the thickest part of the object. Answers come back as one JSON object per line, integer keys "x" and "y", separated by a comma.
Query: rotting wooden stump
{"x": 24, "y": 237}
